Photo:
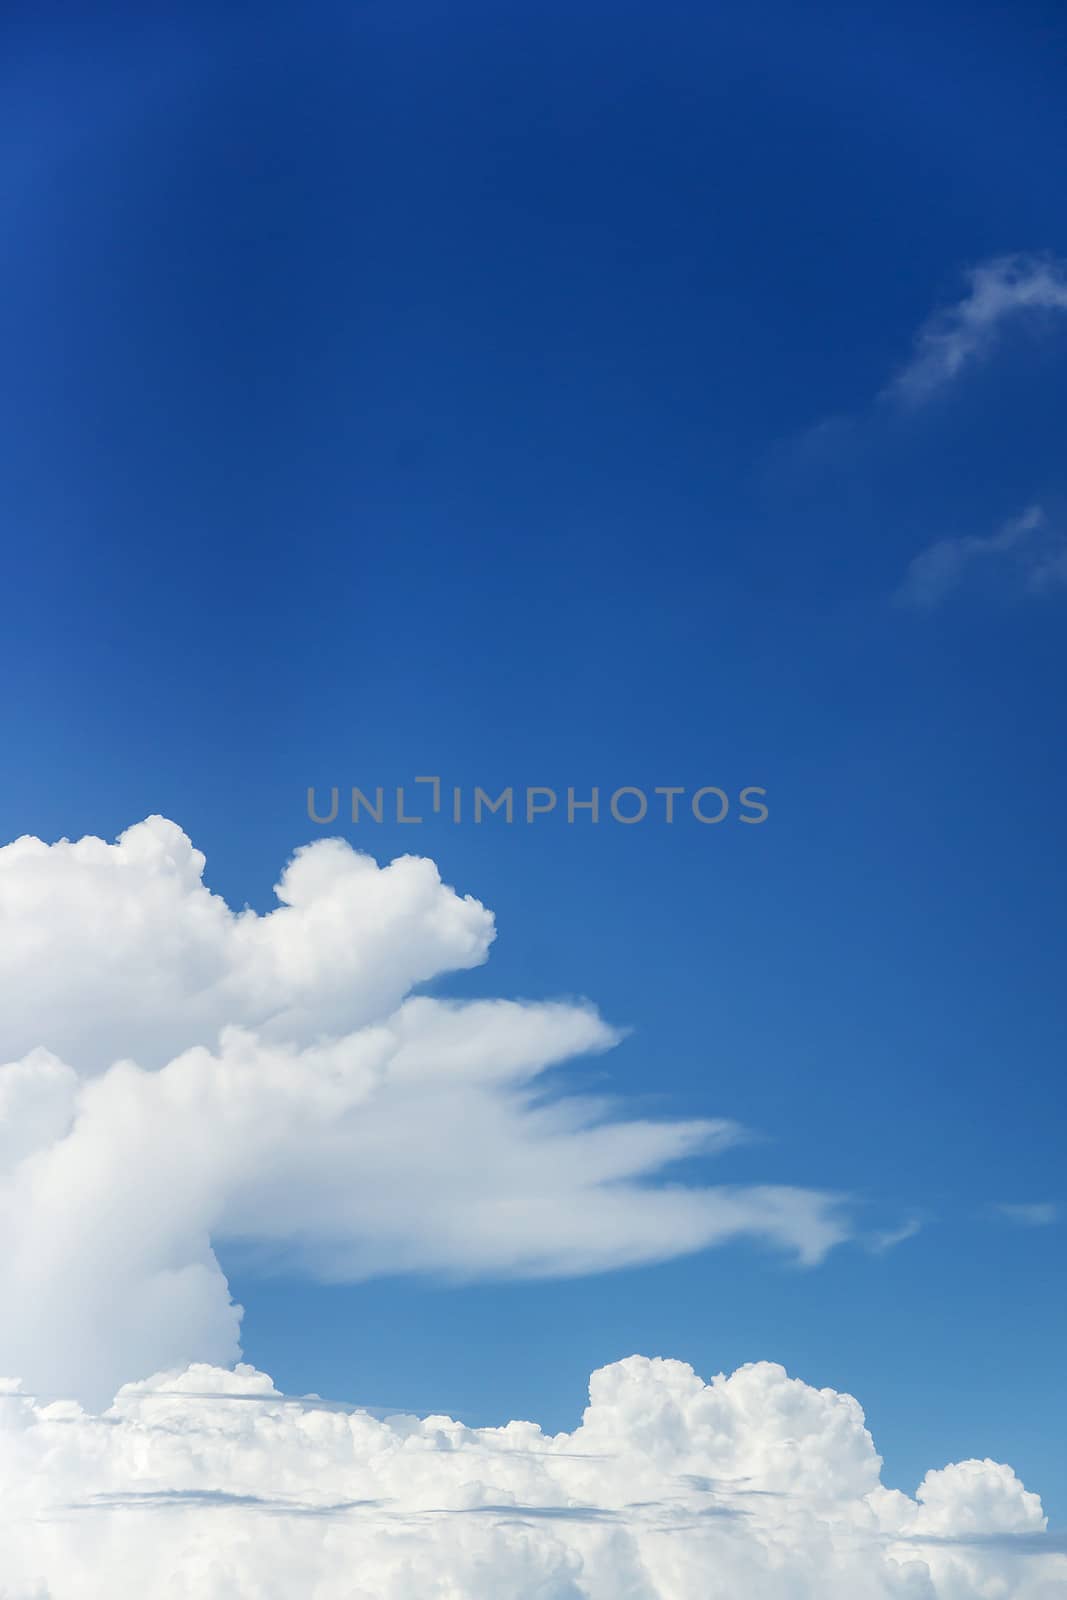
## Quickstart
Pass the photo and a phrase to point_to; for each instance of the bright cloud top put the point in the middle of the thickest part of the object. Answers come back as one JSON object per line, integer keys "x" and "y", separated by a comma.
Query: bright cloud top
{"x": 110, "y": 950}
{"x": 282, "y": 1100}
{"x": 1000, "y": 290}
{"x": 670, "y": 1489}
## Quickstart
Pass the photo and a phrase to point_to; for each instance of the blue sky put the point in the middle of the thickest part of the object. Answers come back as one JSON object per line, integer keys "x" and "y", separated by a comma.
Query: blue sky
{"x": 506, "y": 393}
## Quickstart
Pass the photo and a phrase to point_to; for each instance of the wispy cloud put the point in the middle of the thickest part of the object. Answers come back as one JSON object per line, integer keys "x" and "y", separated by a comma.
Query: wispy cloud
{"x": 958, "y": 335}
{"x": 1030, "y": 1216}
{"x": 889, "y": 1238}
{"x": 1026, "y": 550}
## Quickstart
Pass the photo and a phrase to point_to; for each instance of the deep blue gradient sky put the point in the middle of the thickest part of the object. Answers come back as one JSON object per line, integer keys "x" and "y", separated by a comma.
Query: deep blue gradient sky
{"x": 493, "y": 391}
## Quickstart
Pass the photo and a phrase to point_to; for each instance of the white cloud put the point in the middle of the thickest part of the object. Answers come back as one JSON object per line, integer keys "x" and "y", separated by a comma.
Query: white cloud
{"x": 326, "y": 1124}
{"x": 1002, "y": 289}
{"x": 111, "y": 950}
{"x": 288, "y": 1097}
{"x": 1041, "y": 1215}
{"x": 889, "y": 1238}
{"x": 1025, "y": 552}
{"x": 670, "y": 1489}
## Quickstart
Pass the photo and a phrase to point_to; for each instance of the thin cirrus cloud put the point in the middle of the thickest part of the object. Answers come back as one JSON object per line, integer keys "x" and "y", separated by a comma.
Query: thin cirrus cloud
{"x": 179, "y": 1074}
{"x": 211, "y": 1482}
{"x": 1039, "y": 1215}
{"x": 1000, "y": 291}
{"x": 1026, "y": 555}
{"x": 889, "y": 1238}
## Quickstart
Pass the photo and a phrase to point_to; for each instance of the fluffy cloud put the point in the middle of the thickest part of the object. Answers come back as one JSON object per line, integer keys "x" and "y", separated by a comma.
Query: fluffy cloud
{"x": 279, "y": 1097}
{"x": 181, "y": 1074}
{"x": 670, "y": 1489}
{"x": 1002, "y": 289}
{"x": 110, "y": 950}
{"x": 1025, "y": 552}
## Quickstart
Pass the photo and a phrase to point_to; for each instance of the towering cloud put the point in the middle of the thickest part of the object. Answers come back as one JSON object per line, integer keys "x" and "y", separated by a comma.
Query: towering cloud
{"x": 120, "y": 950}
{"x": 192, "y": 1075}
{"x": 179, "y": 1074}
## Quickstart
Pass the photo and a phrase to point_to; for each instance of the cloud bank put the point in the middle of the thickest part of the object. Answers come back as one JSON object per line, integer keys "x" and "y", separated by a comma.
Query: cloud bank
{"x": 670, "y": 1489}
{"x": 190, "y": 1075}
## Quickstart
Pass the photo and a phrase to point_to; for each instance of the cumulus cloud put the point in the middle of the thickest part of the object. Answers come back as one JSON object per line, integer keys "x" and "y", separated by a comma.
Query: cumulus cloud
{"x": 1000, "y": 290}
{"x": 1026, "y": 553}
{"x": 181, "y": 1074}
{"x": 111, "y": 950}
{"x": 207, "y": 1482}
{"x": 196, "y": 1076}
